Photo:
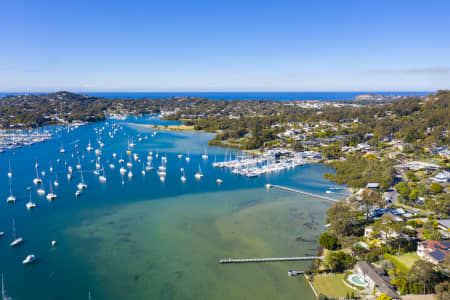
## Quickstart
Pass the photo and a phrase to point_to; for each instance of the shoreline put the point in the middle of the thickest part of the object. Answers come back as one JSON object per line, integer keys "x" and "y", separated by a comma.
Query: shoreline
{"x": 170, "y": 127}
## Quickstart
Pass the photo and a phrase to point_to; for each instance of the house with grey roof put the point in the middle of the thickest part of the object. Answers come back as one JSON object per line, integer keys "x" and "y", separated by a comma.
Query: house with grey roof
{"x": 376, "y": 281}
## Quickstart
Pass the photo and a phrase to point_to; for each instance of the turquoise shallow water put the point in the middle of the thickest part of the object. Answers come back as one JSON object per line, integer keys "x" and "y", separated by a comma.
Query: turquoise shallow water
{"x": 151, "y": 240}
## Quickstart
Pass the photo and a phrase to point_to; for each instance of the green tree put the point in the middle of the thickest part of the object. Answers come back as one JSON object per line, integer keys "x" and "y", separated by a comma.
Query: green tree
{"x": 339, "y": 261}
{"x": 342, "y": 219}
{"x": 329, "y": 241}
{"x": 403, "y": 189}
{"x": 436, "y": 188}
{"x": 423, "y": 273}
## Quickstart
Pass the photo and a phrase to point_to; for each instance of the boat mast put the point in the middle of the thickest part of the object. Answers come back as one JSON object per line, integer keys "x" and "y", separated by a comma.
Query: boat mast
{"x": 3, "y": 289}
{"x": 10, "y": 187}
{"x": 14, "y": 230}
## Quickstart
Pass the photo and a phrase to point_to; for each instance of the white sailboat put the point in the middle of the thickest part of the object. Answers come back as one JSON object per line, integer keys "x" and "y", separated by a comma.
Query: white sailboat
{"x": 205, "y": 155}
{"x": 78, "y": 165}
{"x": 40, "y": 191}
{"x": 37, "y": 180}
{"x": 11, "y": 198}
{"x": 102, "y": 177}
{"x": 188, "y": 158}
{"x": 82, "y": 185}
{"x": 149, "y": 166}
{"x": 89, "y": 146}
{"x": 10, "y": 174}
{"x": 51, "y": 195}
{"x": 183, "y": 176}
{"x": 62, "y": 149}
{"x": 29, "y": 259}
{"x": 121, "y": 160}
{"x": 199, "y": 174}
{"x": 30, "y": 204}
{"x": 16, "y": 241}
{"x": 56, "y": 183}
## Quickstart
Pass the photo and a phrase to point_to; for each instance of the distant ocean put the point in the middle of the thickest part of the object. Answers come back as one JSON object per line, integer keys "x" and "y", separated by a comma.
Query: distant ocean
{"x": 280, "y": 96}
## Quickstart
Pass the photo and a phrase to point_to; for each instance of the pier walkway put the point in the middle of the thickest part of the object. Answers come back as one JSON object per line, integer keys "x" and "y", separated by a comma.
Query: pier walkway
{"x": 300, "y": 192}
{"x": 270, "y": 259}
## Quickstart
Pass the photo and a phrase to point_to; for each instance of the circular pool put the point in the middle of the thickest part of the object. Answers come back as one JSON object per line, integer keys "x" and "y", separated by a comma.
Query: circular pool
{"x": 357, "y": 280}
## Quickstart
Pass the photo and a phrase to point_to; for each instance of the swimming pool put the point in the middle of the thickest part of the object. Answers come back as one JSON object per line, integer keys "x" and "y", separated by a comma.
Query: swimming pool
{"x": 356, "y": 280}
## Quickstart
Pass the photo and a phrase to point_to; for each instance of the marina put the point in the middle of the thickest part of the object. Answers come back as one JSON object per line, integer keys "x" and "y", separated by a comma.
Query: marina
{"x": 271, "y": 161}
{"x": 60, "y": 195}
{"x": 13, "y": 139}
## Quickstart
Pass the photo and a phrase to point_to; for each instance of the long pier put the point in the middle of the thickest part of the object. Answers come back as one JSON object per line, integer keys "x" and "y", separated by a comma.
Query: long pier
{"x": 270, "y": 259}
{"x": 300, "y": 192}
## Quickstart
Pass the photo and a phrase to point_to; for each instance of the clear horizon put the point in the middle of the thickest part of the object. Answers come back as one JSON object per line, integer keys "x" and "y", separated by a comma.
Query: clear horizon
{"x": 202, "y": 46}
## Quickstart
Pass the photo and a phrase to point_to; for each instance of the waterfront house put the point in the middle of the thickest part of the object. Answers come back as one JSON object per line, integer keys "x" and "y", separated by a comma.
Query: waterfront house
{"x": 433, "y": 251}
{"x": 444, "y": 227}
{"x": 373, "y": 186}
{"x": 442, "y": 177}
{"x": 374, "y": 280}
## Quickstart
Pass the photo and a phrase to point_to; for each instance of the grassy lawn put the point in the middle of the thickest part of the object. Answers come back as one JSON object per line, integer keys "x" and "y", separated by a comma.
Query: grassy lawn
{"x": 332, "y": 285}
{"x": 408, "y": 259}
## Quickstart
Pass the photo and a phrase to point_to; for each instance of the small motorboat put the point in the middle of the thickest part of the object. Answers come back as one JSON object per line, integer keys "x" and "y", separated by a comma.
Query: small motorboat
{"x": 29, "y": 259}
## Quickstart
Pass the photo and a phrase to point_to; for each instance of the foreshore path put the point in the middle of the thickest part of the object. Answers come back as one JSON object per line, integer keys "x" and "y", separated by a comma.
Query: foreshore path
{"x": 300, "y": 192}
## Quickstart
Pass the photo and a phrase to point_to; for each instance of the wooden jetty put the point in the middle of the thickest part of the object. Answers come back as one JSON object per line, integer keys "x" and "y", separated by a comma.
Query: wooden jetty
{"x": 300, "y": 192}
{"x": 269, "y": 259}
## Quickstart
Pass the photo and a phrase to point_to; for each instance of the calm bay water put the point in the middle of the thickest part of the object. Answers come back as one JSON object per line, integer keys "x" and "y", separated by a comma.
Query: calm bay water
{"x": 145, "y": 239}
{"x": 279, "y": 96}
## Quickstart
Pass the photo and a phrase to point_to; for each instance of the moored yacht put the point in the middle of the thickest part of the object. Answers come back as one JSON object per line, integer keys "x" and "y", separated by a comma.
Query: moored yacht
{"x": 10, "y": 174}
{"x": 11, "y": 198}
{"x": 183, "y": 176}
{"x": 30, "y": 204}
{"x": 16, "y": 240}
{"x": 37, "y": 180}
{"x": 89, "y": 146}
{"x": 102, "y": 177}
{"x": 199, "y": 174}
{"x": 51, "y": 195}
{"x": 205, "y": 155}
{"x": 82, "y": 185}
{"x": 29, "y": 259}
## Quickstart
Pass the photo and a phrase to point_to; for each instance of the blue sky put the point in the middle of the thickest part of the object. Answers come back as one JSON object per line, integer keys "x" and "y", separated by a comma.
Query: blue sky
{"x": 87, "y": 45}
